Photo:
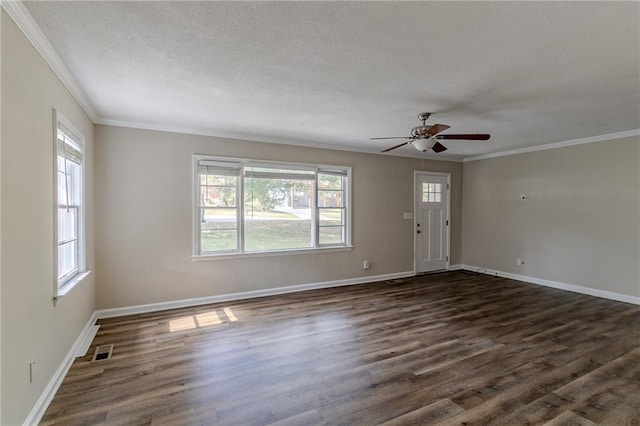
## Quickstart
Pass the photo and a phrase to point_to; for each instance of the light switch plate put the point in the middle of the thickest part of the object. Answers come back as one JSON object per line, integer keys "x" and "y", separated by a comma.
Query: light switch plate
{"x": 408, "y": 215}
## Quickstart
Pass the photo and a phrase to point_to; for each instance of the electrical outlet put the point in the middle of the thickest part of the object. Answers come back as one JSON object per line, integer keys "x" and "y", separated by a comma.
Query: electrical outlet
{"x": 519, "y": 261}
{"x": 366, "y": 264}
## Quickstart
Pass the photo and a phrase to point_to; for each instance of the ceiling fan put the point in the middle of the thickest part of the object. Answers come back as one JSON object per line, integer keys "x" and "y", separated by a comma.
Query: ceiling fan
{"x": 425, "y": 137}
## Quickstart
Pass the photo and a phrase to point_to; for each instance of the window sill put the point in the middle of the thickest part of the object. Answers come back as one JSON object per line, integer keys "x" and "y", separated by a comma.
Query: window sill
{"x": 68, "y": 286}
{"x": 200, "y": 258}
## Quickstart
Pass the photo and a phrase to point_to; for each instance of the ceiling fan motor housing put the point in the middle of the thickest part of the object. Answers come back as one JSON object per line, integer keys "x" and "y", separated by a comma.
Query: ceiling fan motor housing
{"x": 421, "y": 132}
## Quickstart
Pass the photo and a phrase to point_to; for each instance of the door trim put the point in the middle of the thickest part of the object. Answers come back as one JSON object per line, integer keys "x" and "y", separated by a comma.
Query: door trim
{"x": 416, "y": 174}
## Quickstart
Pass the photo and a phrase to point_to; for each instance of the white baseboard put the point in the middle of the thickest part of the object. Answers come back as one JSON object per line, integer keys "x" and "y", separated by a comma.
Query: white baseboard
{"x": 88, "y": 338}
{"x": 50, "y": 390}
{"x": 555, "y": 284}
{"x": 456, "y": 267}
{"x": 153, "y": 307}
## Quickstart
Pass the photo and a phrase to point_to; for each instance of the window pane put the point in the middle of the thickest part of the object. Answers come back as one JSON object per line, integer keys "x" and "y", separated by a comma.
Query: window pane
{"x": 331, "y": 217}
{"x": 431, "y": 192}
{"x": 67, "y": 258}
{"x": 331, "y": 235}
{"x": 330, "y": 198}
{"x": 219, "y": 213}
{"x": 330, "y": 182}
{"x": 62, "y": 189}
{"x": 263, "y": 234}
{"x": 219, "y": 218}
{"x": 277, "y": 211}
{"x": 215, "y": 239}
{"x": 71, "y": 186}
{"x": 67, "y": 223}
{"x": 218, "y": 229}
{"x": 220, "y": 180}
{"x": 74, "y": 172}
{"x": 218, "y": 196}
{"x": 431, "y": 197}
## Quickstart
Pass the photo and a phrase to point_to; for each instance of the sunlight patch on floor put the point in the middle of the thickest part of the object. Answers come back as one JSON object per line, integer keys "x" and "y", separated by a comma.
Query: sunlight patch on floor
{"x": 205, "y": 319}
{"x": 229, "y": 313}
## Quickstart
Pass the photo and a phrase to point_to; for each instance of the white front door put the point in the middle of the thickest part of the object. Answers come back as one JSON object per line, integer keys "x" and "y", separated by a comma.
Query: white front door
{"x": 431, "y": 222}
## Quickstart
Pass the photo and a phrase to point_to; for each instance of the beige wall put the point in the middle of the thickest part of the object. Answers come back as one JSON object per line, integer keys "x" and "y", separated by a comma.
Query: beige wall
{"x": 578, "y": 225}
{"x": 31, "y": 325}
{"x": 144, "y": 219}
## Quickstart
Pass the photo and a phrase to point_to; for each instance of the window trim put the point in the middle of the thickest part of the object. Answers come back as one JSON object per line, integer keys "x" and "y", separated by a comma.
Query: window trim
{"x": 61, "y": 288}
{"x": 196, "y": 253}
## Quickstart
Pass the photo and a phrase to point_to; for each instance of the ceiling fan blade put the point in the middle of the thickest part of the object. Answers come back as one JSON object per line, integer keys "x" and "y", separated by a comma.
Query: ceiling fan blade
{"x": 397, "y": 146}
{"x": 438, "y": 147}
{"x": 437, "y": 128}
{"x": 470, "y": 137}
{"x": 391, "y": 137}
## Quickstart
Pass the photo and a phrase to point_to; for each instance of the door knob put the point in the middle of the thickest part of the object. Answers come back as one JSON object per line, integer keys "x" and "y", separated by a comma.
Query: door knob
{"x": 418, "y": 232}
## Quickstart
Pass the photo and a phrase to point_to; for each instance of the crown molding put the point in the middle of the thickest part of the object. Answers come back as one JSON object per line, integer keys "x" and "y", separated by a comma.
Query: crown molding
{"x": 263, "y": 139}
{"x": 581, "y": 141}
{"x": 25, "y": 22}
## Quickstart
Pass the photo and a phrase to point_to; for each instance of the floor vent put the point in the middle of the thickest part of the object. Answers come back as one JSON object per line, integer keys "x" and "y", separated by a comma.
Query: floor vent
{"x": 102, "y": 353}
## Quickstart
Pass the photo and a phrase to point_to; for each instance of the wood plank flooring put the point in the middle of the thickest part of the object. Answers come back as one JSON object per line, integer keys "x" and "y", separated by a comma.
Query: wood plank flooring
{"x": 454, "y": 348}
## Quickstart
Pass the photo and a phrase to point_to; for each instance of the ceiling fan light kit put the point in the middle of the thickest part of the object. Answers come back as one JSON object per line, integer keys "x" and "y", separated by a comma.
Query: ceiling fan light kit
{"x": 424, "y": 144}
{"x": 424, "y": 137}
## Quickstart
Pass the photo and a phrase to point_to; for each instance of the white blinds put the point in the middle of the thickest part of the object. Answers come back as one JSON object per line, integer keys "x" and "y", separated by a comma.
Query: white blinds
{"x": 220, "y": 168}
{"x": 263, "y": 171}
{"x": 333, "y": 172}
{"x": 69, "y": 145}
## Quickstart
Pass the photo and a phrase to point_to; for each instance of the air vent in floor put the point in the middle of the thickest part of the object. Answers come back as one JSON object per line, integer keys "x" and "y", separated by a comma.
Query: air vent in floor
{"x": 102, "y": 353}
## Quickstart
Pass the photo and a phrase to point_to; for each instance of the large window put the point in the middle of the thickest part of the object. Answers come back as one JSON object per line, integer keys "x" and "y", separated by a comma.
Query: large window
{"x": 246, "y": 206}
{"x": 70, "y": 203}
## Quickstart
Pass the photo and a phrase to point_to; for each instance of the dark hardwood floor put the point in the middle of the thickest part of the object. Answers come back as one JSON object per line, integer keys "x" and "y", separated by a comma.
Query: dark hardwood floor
{"x": 451, "y": 348}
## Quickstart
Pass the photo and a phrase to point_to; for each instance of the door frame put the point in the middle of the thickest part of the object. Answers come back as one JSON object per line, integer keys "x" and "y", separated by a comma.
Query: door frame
{"x": 416, "y": 174}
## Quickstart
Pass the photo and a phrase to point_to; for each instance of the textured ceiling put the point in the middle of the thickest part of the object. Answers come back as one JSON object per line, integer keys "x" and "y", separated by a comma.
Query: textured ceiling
{"x": 338, "y": 73}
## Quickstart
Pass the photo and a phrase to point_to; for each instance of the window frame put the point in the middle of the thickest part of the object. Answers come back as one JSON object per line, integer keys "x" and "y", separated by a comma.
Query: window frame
{"x": 242, "y": 163}
{"x": 433, "y": 193}
{"x": 345, "y": 207}
{"x": 63, "y": 285}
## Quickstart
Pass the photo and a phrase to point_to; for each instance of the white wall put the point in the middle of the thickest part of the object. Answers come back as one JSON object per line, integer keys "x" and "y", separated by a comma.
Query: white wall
{"x": 31, "y": 326}
{"x": 144, "y": 219}
{"x": 579, "y": 223}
